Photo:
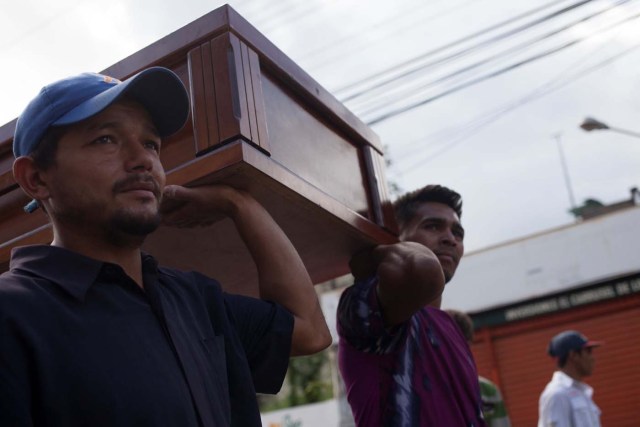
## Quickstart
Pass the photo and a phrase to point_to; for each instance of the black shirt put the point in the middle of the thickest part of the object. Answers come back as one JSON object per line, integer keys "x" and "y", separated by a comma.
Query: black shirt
{"x": 81, "y": 344}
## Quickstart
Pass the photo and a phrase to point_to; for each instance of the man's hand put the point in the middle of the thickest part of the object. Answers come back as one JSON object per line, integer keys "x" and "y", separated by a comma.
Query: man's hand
{"x": 363, "y": 265}
{"x": 198, "y": 206}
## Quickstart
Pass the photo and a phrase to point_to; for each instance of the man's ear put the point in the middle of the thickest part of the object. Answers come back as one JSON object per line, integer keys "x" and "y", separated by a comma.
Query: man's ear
{"x": 30, "y": 178}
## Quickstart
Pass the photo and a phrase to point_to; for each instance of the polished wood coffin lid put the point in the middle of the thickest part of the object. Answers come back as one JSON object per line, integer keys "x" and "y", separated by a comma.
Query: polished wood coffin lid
{"x": 260, "y": 123}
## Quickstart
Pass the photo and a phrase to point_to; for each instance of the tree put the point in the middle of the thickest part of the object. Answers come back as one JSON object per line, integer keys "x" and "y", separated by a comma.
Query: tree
{"x": 308, "y": 381}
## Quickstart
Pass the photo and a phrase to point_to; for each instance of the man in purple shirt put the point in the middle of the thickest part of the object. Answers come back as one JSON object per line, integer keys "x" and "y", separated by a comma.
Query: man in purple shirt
{"x": 403, "y": 360}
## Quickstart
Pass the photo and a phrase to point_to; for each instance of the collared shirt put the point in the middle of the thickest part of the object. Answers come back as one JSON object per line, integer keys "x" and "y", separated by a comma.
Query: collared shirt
{"x": 82, "y": 344}
{"x": 566, "y": 402}
{"x": 421, "y": 373}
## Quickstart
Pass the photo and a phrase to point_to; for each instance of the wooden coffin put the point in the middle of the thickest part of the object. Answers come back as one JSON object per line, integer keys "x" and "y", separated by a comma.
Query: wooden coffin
{"x": 260, "y": 123}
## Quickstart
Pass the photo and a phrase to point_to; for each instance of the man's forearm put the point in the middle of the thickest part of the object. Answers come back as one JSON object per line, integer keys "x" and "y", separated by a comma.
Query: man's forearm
{"x": 282, "y": 275}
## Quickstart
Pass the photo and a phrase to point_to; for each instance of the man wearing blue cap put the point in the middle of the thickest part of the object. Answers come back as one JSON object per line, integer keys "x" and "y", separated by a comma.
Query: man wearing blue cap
{"x": 566, "y": 401}
{"x": 92, "y": 331}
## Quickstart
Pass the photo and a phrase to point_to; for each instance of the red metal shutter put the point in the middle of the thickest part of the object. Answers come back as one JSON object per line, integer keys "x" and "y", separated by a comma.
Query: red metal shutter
{"x": 515, "y": 356}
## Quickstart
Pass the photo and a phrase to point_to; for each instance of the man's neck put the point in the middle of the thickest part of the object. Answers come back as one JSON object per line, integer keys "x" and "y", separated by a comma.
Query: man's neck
{"x": 436, "y": 303}
{"x": 126, "y": 254}
{"x": 572, "y": 373}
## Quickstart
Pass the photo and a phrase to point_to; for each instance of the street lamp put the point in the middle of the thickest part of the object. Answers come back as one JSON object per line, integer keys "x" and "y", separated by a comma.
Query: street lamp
{"x": 590, "y": 124}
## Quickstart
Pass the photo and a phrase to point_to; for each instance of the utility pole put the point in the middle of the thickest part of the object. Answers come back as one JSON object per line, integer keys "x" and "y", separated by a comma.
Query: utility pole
{"x": 565, "y": 170}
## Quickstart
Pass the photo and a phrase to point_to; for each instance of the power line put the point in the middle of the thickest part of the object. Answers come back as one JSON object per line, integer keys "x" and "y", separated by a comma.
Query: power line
{"x": 414, "y": 90}
{"x": 397, "y": 111}
{"x": 536, "y": 93}
{"x": 440, "y": 49}
{"x": 264, "y": 15}
{"x": 552, "y": 86}
{"x": 297, "y": 13}
{"x": 410, "y": 20}
{"x": 347, "y": 37}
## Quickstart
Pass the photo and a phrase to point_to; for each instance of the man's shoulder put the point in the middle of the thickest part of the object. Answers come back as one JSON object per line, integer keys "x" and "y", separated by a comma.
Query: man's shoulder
{"x": 554, "y": 391}
{"x": 188, "y": 279}
{"x": 20, "y": 293}
{"x": 16, "y": 283}
{"x": 440, "y": 320}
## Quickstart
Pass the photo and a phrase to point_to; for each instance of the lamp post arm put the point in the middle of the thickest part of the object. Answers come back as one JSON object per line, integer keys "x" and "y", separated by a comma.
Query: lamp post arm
{"x": 625, "y": 131}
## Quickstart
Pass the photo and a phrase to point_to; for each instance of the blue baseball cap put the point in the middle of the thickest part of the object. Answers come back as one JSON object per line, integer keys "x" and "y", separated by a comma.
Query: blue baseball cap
{"x": 74, "y": 99}
{"x": 567, "y": 341}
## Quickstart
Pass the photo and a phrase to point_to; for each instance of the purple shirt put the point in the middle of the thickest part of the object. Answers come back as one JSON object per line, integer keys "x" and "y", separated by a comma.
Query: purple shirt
{"x": 420, "y": 373}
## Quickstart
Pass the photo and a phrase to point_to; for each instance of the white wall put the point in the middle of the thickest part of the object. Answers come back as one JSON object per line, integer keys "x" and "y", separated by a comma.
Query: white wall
{"x": 556, "y": 260}
{"x": 323, "y": 414}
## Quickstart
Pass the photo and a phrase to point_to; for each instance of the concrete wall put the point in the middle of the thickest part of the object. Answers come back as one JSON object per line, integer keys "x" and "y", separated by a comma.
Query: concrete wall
{"x": 548, "y": 262}
{"x": 323, "y": 414}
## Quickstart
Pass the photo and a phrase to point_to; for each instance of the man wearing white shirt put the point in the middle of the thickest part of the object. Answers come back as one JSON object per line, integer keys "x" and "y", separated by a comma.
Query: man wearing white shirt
{"x": 566, "y": 401}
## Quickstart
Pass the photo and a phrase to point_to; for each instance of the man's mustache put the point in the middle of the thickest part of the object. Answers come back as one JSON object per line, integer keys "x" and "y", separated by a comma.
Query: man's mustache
{"x": 138, "y": 181}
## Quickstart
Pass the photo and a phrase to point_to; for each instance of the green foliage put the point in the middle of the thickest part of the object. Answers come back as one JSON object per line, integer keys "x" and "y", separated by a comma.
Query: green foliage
{"x": 308, "y": 381}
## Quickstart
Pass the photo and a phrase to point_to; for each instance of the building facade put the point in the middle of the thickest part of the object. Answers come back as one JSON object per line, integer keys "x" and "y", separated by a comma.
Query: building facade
{"x": 583, "y": 276}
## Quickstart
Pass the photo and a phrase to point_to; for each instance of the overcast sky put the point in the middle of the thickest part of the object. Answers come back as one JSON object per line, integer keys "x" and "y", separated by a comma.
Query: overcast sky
{"x": 480, "y": 111}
